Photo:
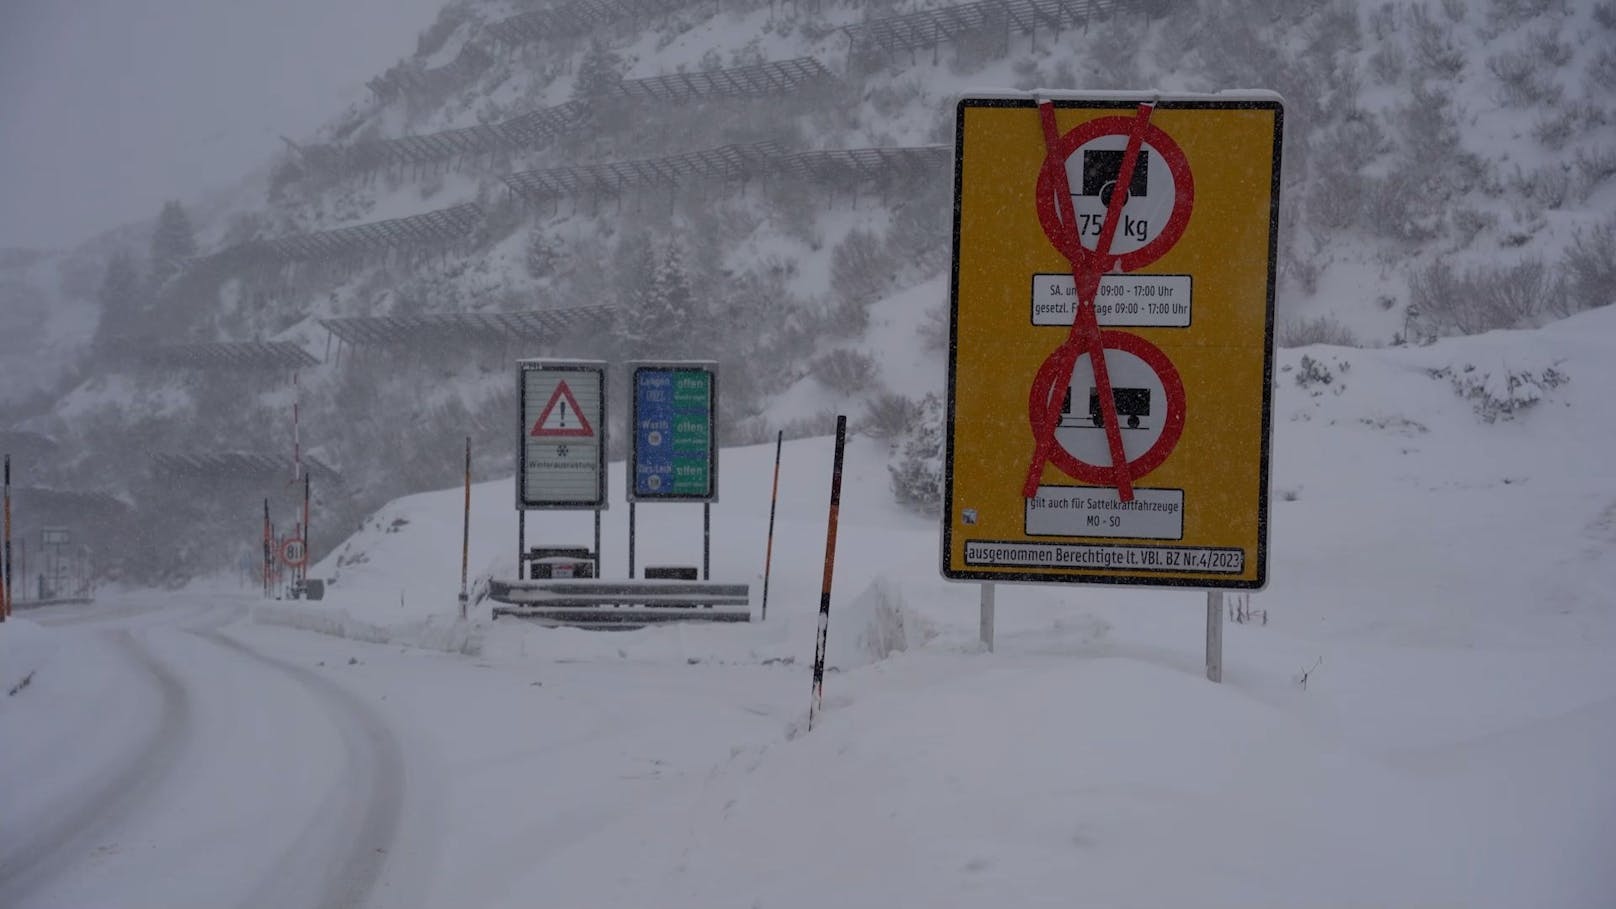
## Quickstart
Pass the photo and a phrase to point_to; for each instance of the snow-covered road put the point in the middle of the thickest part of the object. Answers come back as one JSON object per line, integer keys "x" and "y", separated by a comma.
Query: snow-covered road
{"x": 175, "y": 753}
{"x": 198, "y": 770}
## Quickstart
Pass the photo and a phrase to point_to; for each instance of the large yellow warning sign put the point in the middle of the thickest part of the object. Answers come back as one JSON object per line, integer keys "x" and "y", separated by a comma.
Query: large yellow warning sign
{"x": 1111, "y": 357}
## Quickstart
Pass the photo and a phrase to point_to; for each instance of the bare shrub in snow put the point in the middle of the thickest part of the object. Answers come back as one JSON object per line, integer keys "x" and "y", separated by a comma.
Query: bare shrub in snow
{"x": 1555, "y": 127}
{"x": 1514, "y": 295}
{"x": 1383, "y": 22}
{"x": 1390, "y": 208}
{"x": 1468, "y": 222}
{"x": 934, "y": 329}
{"x": 888, "y": 415}
{"x": 1589, "y": 268}
{"x": 1322, "y": 330}
{"x": 845, "y": 371}
{"x": 1483, "y": 299}
{"x": 1513, "y": 12}
{"x": 917, "y": 466}
{"x": 1596, "y": 166}
{"x": 1522, "y": 80}
{"x": 1546, "y": 45}
{"x": 1435, "y": 50}
{"x": 859, "y": 269}
{"x": 1388, "y": 62}
{"x": 1551, "y": 186}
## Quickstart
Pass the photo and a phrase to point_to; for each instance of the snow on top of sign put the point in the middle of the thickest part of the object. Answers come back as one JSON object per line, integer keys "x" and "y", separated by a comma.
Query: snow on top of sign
{"x": 1146, "y": 95}
{"x": 560, "y": 361}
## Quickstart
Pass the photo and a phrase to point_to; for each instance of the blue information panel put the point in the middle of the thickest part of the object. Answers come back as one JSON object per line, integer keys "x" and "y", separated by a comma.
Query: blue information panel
{"x": 675, "y": 456}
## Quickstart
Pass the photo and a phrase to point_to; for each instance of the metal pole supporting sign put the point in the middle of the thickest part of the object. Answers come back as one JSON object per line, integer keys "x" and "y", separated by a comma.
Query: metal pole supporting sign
{"x": 1214, "y": 635}
{"x": 987, "y": 616}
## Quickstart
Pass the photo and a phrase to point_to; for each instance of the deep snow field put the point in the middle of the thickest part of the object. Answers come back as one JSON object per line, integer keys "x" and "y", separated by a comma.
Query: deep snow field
{"x": 1443, "y": 569}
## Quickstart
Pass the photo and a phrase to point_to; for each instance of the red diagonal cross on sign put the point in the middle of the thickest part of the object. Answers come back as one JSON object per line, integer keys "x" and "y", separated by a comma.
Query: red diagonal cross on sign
{"x": 1085, "y": 331}
{"x": 566, "y": 422}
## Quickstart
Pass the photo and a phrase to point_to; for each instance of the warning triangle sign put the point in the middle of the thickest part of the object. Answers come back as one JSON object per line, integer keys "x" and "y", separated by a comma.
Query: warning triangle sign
{"x": 562, "y": 417}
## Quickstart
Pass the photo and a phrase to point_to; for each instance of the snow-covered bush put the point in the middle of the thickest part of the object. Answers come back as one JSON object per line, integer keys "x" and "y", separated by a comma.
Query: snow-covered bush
{"x": 917, "y": 467}
{"x": 1503, "y": 392}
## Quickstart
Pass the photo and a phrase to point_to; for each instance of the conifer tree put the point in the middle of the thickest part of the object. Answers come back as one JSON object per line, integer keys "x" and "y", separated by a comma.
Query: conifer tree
{"x": 598, "y": 71}
{"x": 122, "y": 303}
{"x": 172, "y": 242}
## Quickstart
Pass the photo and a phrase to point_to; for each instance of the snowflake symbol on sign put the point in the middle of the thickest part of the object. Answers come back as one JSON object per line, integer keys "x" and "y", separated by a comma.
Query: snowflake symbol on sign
{"x": 561, "y": 451}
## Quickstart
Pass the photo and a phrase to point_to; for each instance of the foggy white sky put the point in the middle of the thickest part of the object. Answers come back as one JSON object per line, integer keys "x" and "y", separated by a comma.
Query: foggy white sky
{"x": 109, "y": 107}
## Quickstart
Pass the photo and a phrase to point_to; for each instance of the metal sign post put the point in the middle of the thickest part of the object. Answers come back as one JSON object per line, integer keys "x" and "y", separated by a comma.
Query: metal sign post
{"x": 560, "y": 442}
{"x": 1112, "y": 426}
{"x": 774, "y": 499}
{"x": 987, "y": 616}
{"x": 1214, "y": 635}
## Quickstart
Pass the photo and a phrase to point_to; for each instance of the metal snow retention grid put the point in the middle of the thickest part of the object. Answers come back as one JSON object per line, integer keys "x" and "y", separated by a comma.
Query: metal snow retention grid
{"x": 229, "y": 355}
{"x": 575, "y": 18}
{"x": 726, "y": 162}
{"x": 928, "y": 28}
{"x": 444, "y": 226}
{"x": 236, "y": 465}
{"x": 856, "y": 166}
{"x": 57, "y": 504}
{"x": 753, "y": 81}
{"x": 872, "y": 165}
{"x": 470, "y": 327}
{"x": 538, "y": 128}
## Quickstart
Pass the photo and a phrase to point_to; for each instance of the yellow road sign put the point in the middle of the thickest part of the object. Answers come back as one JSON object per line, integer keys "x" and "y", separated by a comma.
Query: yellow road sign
{"x": 1112, "y": 304}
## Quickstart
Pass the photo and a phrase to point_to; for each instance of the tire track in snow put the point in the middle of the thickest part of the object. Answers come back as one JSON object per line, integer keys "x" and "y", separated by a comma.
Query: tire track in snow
{"x": 70, "y": 834}
{"x": 338, "y": 860}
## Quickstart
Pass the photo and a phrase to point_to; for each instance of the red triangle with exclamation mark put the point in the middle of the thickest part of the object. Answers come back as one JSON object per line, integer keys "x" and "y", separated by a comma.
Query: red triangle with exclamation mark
{"x": 562, "y": 417}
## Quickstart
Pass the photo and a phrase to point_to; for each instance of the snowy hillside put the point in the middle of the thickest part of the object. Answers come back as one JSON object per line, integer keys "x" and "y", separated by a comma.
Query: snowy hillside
{"x": 1435, "y": 656}
{"x": 770, "y": 181}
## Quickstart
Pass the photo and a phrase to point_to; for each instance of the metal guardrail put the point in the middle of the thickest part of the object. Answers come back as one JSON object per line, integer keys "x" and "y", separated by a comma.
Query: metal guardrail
{"x": 590, "y": 602}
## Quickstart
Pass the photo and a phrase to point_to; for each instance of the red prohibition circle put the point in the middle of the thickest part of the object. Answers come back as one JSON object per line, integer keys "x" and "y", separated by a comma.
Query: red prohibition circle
{"x": 1046, "y": 386}
{"x": 294, "y": 545}
{"x": 1065, "y": 237}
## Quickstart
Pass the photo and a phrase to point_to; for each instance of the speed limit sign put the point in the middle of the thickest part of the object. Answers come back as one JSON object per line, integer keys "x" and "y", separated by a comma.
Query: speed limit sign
{"x": 293, "y": 553}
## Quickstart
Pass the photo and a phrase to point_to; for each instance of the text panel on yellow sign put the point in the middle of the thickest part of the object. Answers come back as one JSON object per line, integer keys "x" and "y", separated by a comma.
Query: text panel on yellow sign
{"x": 1222, "y": 355}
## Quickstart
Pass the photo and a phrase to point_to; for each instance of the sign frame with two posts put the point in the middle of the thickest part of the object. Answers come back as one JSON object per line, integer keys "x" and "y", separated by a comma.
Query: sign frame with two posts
{"x": 1146, "y": 339}
{"x": 561, "y": 434}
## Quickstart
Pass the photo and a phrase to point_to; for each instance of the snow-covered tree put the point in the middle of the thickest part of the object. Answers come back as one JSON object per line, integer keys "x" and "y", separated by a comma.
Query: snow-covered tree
{"x": 917, "y": 469}
{"x": 598, "y": 71}
{"x": 172, "y": 242}
{"x": 122, "y": 302}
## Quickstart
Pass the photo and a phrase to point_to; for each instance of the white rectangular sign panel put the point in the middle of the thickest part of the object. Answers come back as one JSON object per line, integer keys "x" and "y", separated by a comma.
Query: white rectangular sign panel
{"x": 561, "y": 440}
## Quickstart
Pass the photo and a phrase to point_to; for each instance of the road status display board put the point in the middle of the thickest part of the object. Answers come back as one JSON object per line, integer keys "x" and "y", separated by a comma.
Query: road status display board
{"x": 674, "y": 450}
{"x": 1112, "y": 304}
{"x": 561, "y": 442}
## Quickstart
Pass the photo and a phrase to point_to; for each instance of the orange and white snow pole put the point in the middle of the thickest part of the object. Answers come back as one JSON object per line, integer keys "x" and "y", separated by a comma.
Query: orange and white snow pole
{"x": 830, "y": 569}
